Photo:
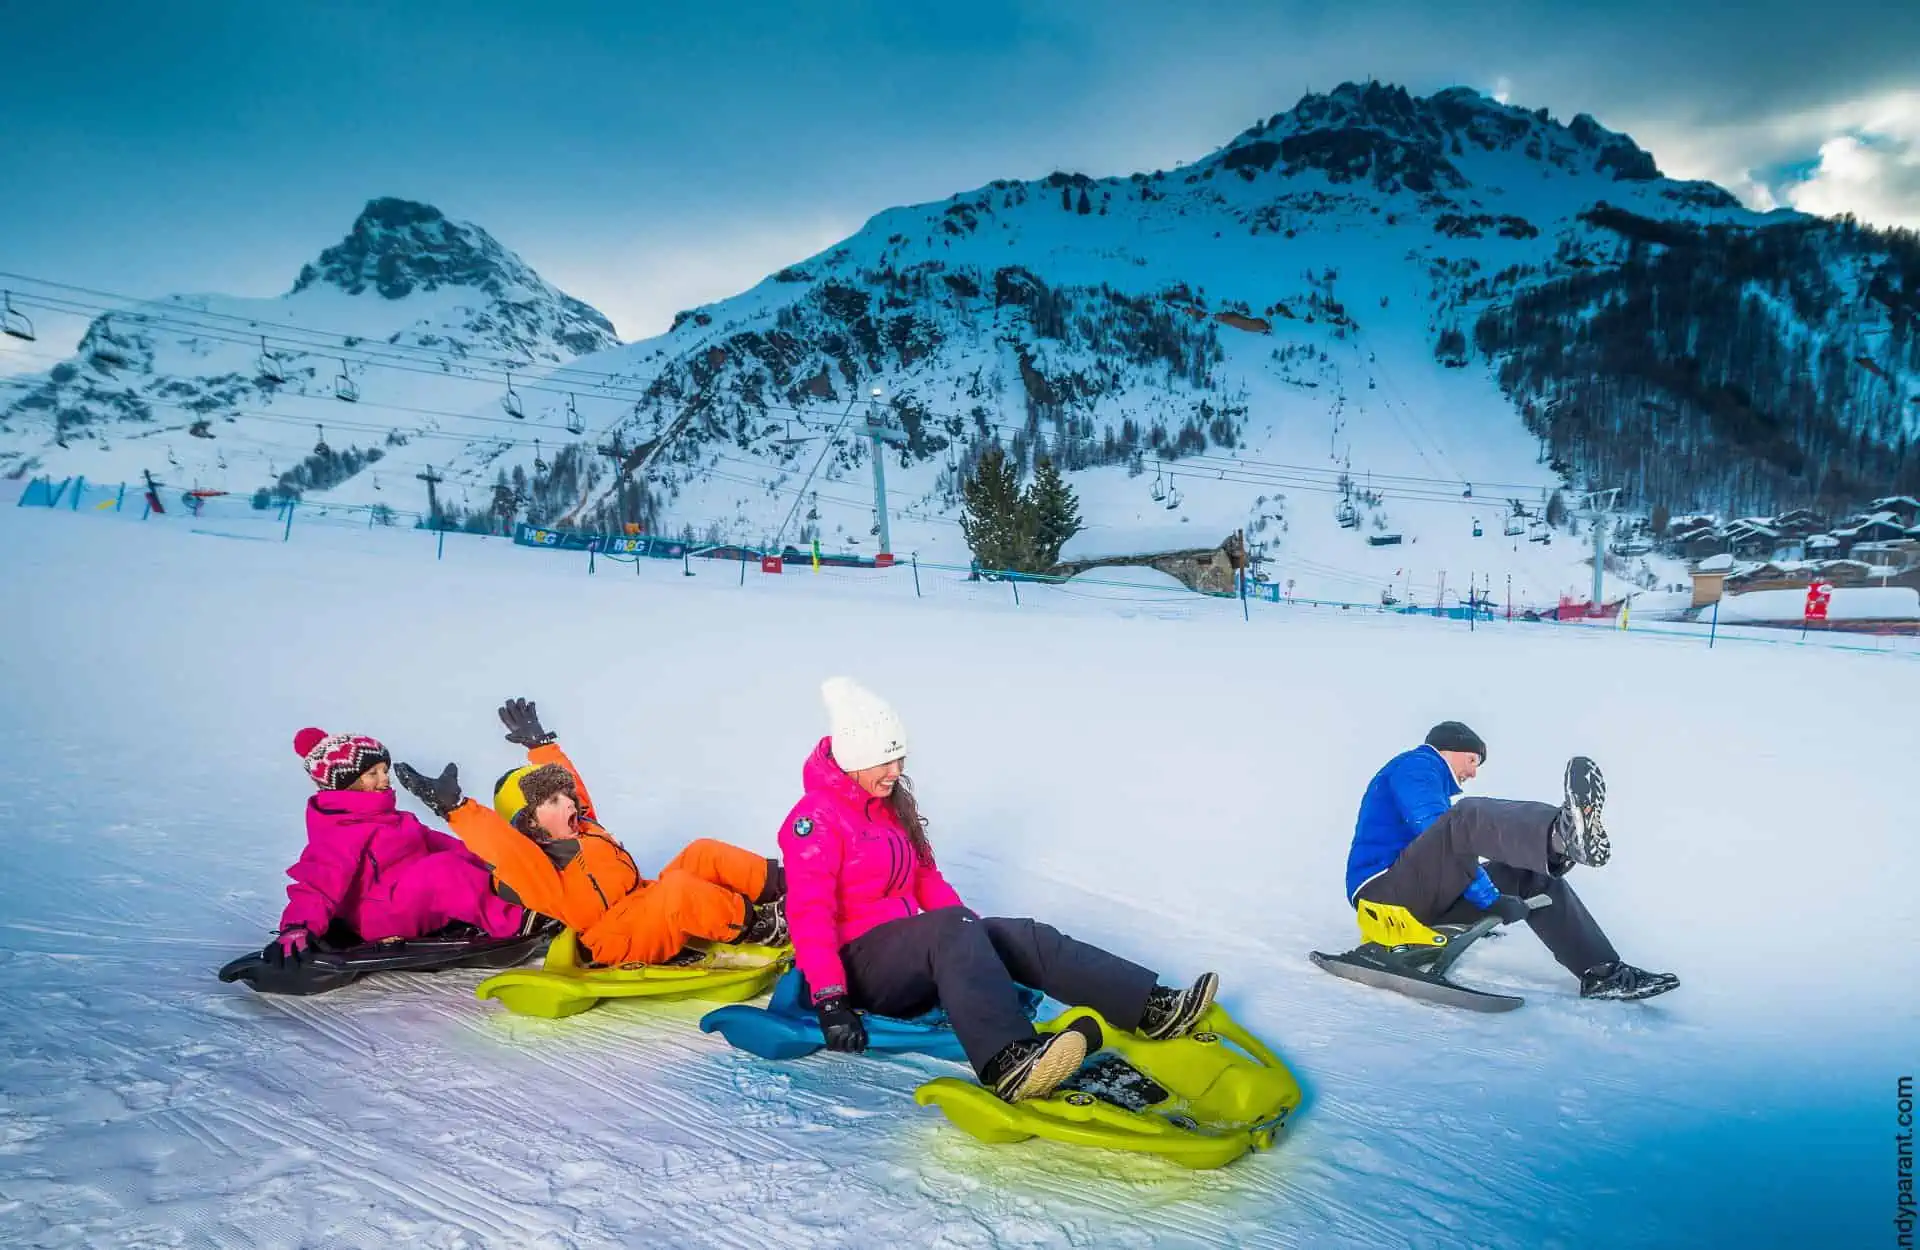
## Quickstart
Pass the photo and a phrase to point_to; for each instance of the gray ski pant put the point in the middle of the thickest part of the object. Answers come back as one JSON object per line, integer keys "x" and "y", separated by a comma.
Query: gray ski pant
{"x": 1513, "y": 836}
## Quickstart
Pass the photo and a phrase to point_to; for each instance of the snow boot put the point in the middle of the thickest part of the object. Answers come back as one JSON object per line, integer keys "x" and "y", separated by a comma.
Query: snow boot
{"x": 766, "y": 924}
{"x": 533, "y": 924}
{"x": 1624, "y": 981}
{"x": 1578, "y": 837}
{"x": 1033, "y": 1067}
{"x": 1173, "y": 1013}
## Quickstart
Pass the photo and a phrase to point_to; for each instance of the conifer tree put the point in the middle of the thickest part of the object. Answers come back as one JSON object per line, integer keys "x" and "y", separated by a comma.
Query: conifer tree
{"x": 1055, "y": 510}
{"x": 993, "y": 516}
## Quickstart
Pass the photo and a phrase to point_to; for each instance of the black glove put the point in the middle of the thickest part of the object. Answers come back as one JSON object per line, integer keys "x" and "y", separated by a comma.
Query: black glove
{"x": 523, "y": 724}
{"x": 292, "y": 945}
{"x": 841, "y": 1024}
{"x": 441, "y": 794}
{"x": 1510, "y": 908}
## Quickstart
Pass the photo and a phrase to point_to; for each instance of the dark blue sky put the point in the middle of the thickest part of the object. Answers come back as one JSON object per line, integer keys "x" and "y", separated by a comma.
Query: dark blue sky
{"x": 646, "y": 157}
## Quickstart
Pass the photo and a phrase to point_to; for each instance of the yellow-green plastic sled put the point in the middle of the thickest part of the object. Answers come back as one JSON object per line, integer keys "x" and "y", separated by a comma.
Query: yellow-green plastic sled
{"x": 564, "y": 985}
{"x": 1203, "y": 1103}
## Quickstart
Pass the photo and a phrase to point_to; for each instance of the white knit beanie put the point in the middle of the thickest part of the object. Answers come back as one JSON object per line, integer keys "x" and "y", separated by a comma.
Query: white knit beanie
{"x": 866, "y": 732}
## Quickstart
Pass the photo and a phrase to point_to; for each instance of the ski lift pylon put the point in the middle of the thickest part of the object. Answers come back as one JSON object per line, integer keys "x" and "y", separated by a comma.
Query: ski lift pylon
{"x": 13, "y": 321}
{"x": 511, "y": 401}
{"x": 344, "y": 387}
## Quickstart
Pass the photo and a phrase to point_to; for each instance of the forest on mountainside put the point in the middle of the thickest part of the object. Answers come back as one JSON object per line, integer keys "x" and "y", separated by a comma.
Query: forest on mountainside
{"x": 1724, "y": 369}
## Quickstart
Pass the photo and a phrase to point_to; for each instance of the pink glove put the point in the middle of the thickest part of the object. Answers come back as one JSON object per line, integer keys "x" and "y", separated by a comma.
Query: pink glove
{"x": 292, "y": 945}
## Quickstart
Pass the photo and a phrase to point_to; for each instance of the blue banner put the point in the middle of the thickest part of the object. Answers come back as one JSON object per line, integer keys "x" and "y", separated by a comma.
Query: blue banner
{"x": 607, "y": 544}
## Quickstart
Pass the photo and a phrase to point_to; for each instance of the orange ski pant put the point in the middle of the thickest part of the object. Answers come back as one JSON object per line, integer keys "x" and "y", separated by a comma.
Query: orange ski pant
{"x": 703, "y": 893}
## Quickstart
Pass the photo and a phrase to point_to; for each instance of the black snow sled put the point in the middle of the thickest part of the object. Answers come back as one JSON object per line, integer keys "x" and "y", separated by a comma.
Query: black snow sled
{"x": 343, "y": 958}
{"x": 1401, "y": 954}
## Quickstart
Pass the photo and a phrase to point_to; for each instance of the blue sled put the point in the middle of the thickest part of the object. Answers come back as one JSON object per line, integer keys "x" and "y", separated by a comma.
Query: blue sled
{"x": 786, "y": 1028}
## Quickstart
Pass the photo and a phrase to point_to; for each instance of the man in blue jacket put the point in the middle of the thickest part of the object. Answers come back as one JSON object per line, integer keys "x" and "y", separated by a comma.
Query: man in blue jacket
{"x": 1414, "y": 847}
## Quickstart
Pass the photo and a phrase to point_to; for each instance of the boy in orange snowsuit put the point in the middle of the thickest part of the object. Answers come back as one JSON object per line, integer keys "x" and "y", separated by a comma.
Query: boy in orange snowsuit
{"x": 549, "y": 852}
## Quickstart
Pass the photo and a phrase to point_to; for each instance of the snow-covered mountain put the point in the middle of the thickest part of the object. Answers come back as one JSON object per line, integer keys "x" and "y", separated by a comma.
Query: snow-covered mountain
{"x": 1313, "y": 324}
{"x": 213, "y": 391}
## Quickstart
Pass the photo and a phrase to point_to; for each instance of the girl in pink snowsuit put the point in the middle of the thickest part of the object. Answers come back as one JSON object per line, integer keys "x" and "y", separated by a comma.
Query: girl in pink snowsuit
{"x": 375, "y": 868}
{"x": 877, "y": 927}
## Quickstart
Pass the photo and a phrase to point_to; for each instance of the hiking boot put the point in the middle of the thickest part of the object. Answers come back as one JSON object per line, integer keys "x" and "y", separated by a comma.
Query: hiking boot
{"x": 1624, "y": 981}
{"x": 1033, "y": 1067}
{"x": 766, "y": 924}
{"x": 1578, "y": 837}
{"x": 1173, "y": 1013}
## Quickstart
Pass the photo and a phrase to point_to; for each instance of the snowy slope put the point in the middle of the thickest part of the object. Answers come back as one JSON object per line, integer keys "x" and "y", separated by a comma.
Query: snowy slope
{"x": 1262, "y": 332}
{"x": 405, "y": 314}
{"x": 1086, "y": 771}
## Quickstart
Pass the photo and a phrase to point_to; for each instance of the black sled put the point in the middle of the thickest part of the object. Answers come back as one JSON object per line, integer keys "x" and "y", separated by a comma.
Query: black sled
{"x": 343, "y": 958}
{"x": 1405, "y": 956}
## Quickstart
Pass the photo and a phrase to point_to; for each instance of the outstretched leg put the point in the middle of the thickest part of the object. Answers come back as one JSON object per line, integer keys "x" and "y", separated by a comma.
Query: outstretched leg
{"x": 433, "y": 891}
{"x": 1077, "y": 974}
{"x": 1437, "y": 866}
{"x": 654, "y": 923}
{"x": 939, "y": 958}
{"x": 1567, "y": 928}
{"x": 754, "y": 877}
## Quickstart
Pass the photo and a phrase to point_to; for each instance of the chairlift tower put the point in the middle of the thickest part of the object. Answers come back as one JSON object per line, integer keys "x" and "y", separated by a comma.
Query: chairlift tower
{"x": 878, "y": 433}
{"x": 432, "y": 480}
{"x": 1599, "y": 506}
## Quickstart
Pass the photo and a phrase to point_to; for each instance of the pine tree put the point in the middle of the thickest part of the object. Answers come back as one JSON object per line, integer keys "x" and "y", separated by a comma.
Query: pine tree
{"x": 1055, "y": 511}
{"x": 1084, "y": 207}
{"x": 994, "y": 518}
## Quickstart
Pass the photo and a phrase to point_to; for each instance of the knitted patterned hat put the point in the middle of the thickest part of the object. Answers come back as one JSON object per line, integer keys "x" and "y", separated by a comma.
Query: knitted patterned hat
{"x": 336, "y": 761}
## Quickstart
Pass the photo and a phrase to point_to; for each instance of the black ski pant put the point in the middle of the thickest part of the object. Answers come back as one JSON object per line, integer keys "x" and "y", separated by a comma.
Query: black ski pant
{"x": 1513, "y": 836}
{"x": 969, "y": 968}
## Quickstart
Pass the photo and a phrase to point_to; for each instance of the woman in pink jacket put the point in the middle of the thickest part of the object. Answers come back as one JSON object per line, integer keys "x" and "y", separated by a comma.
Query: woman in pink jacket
{"x": 374, "y": 867}
{"x": 876, "y": 927}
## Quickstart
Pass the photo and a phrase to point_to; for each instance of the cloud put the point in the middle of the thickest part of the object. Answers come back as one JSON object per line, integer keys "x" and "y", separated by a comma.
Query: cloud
{"x": 1872, "y": 170}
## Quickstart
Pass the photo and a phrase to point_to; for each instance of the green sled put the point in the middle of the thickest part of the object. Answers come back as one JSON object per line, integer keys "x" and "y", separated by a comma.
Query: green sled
{"x": 1205, "y": 1100}
{"x": 564, "y": 985}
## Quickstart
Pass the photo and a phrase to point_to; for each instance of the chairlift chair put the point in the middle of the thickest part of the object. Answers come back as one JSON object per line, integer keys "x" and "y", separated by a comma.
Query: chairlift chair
{"x": 320, "y": 448}
{"x": 573, "y": 413}
{"x": 105, "y": 351}
{"x": 511, "y": 401}
{"x": 1539, "y": 532}
{"x": 1516, "y": 525}
{"x": 1477, "y": 531}
{"x": 269, "y": 365}
{"x": 1159, "y": 491}
{"x": 13, "y": 321}
{"x": 1173, "y": 499}
{"x": 345, "y": 388}
{"x": 1347, "y": 515}
{"x": 539, "y": 464}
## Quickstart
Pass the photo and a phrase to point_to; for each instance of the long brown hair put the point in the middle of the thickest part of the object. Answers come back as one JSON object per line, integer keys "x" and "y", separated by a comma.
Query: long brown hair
{"x": 907, "y": 812}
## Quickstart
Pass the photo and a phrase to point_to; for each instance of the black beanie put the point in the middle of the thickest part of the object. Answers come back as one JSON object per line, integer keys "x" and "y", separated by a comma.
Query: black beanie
{"x": 1451, "y": 735}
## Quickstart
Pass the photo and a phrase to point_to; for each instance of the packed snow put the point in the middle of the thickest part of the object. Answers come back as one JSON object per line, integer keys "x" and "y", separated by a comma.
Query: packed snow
{"x": 1180, "y": 790}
